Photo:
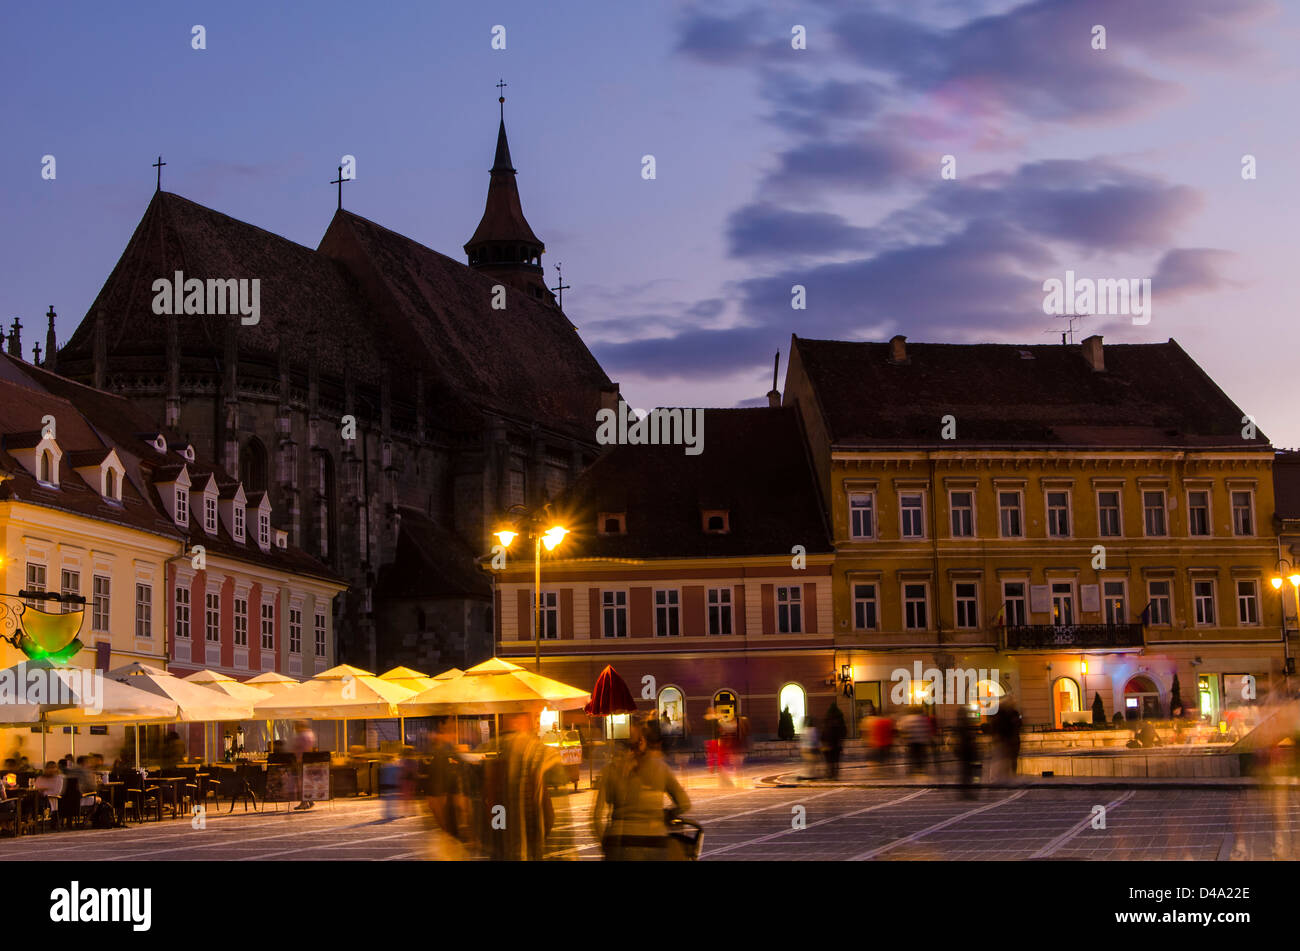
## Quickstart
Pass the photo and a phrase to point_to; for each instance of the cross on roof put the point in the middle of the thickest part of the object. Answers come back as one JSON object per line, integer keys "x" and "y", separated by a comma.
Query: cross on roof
{"x": 502, "y": 84}
{"x": 339, "y": 182}
{"x": 561, "y": 287}
{"x": 159, "y": 165}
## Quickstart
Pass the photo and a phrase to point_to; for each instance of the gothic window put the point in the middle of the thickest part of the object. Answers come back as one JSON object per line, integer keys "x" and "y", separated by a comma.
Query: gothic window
{"x": 252, "y": 466}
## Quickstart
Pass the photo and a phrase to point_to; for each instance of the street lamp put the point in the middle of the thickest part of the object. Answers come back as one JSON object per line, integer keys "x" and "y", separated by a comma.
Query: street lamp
{"x": 1292, "y": 574}
{"x": 530, "y": 521}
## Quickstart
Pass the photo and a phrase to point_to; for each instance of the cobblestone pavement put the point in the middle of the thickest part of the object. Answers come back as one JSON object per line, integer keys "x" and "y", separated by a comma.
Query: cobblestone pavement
{"x": 749, "y": 821}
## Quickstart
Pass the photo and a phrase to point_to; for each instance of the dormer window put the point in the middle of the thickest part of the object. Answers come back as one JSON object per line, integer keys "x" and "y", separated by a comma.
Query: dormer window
{"x": 264, "y": 530}
{"x": 182, "y": 505}
{"x": 612, "y": 523}
{"x": 47, "y": 468}
{"x": 716, "y": 521}
{"x": 110, "y": 485}
{"x": 101, "y": 470}
{"x": 160, "y": 443}
{"x": 239, "y": 524}
{"x": 188, "y": 453}
{"x": 210, "y": 514}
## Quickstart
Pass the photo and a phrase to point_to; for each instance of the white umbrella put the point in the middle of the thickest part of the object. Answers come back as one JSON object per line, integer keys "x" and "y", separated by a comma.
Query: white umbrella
{"x": 340, "y": 693}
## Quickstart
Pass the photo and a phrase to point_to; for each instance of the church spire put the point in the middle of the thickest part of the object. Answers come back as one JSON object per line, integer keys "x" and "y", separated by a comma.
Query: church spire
{"x": 504, "y": 246}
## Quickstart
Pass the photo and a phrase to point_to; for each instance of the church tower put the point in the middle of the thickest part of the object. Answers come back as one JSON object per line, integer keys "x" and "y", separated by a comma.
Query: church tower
{"x": 503, "y": 246}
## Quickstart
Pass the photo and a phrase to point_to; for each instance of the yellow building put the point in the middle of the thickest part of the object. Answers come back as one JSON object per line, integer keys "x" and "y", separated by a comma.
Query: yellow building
{"x": 1055, "y": 523}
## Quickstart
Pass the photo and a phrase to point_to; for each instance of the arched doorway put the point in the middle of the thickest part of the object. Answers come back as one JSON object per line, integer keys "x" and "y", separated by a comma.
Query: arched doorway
{"x": 794, "y": 698}
{"x": 726, "y": 704}
{"x": 1065, "y": 699}
{"x": 1141, "y": 698}
{"x": 672, "y": 712}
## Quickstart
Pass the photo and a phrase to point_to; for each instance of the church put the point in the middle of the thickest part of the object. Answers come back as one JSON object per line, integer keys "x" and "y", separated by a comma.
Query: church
{"x": 386, "y": 404}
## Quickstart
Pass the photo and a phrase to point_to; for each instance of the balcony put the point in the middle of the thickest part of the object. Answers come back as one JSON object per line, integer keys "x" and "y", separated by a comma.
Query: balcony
{"x": 1030, "y": 637}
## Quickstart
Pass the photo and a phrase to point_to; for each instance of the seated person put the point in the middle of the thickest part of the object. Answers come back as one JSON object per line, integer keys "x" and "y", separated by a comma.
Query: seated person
{"x": 49, "y": 781}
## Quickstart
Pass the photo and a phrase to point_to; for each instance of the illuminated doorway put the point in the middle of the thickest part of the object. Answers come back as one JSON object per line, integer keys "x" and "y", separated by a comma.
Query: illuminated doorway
{"x": 1141, "y": 699}
{"x": 1065, "y": 699}
{"x": 793, "y": 698}
{"x": 672, "y": 712}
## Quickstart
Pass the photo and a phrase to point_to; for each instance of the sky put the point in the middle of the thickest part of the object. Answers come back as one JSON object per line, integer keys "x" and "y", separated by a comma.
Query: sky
{"x": 775, "y": 166}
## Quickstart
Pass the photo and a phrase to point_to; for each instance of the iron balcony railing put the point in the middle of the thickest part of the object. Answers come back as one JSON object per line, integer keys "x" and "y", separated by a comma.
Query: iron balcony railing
{"x": 1053, "y": 636}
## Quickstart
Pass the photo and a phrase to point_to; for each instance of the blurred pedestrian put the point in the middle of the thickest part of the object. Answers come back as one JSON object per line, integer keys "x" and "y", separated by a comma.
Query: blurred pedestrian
{"x": 810, "y": 745}
{"x": 523, "y": 772}
{"x": 880, "y": 733}
{"x": 833, "y": 740}
{"x": 1005, "y": 727}
{"x": 633, "y": 789}
{"x": 964, "y": 745}
{"x": 303, "y": 741}
{"x": 915, "y": 731}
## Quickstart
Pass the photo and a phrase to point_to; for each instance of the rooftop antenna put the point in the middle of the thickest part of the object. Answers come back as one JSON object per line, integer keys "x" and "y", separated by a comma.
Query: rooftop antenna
{"x": 1067, "y": 335}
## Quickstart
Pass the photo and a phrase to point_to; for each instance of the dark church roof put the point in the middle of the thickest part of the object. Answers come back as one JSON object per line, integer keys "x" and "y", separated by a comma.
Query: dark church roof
{"x": 503, "y": 216}
{"x": 368, "y": 300}
{"x": 755, "y": 466}
{"x": 1032, "y": 396}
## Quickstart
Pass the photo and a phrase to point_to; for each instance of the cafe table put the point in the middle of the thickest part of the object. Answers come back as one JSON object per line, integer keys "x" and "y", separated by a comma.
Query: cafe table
{"x": 173, "y": 783}
{"x": 115, "y": 793}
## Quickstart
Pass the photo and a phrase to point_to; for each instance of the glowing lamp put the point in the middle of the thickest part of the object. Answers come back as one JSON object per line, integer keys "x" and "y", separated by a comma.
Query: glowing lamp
{"x": 1295, "y": 580}
{"x": 506, "y": 536}
{"x": 554, "y": 535}
{"x": 1276, "y": 583}
{"x": 1083, "y": 666}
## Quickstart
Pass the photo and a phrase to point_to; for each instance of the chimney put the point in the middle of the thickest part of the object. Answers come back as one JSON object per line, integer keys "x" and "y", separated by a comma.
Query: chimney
{"x": 898, "y": 349}
{"x": 1092, "y": 353}
{"x": 774, "y": 395}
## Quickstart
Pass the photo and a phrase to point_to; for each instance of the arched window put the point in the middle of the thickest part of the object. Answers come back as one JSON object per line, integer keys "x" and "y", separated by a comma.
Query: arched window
{"x": 110, "y": 484}
{"x": 252, "y": 466}
{"x": 47, "y": 466}
{"x": 793, "y": 698}
{"x": 1065, "y": 699}
{"x": 1141, "y": 698}
{"x": 672, "y": 711}
{"x": 325, "y": 505}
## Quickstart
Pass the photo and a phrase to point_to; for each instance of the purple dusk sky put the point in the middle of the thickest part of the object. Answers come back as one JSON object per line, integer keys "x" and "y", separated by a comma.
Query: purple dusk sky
{"x": 775, "y": 166}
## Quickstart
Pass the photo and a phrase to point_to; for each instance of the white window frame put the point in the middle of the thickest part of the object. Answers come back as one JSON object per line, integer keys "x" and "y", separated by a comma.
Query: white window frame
{"x": 238, "y": 614}
{"x": 614, "y": 607}
{"x": 101, "y": 607}
{"x": 908, "y": 601}
{"x": 265, "y": 622}
{"x": 668, "y": 601}
{"x": 1242, "y": 600}
{"x": 210, "y": 516}
{"x": 1164, "y": 513}
{"x": 793, "y": 607}
{"x": 1124, "y": 617}
{"x": 869, "y": 509}
{"x": 208, "y": 613}
{"x": 65, "y": 589}
{"x": 1250, "y": 511}
{"x": 295, "y": 611}
{"x": 550, "y": 615}
{"x": 1019, "y": 510}
{"x": 902, "y": 522}
{"x": 182, "y": 624}
{"x": 1049, "y": 510}
{"x": 720, "y": 607}
{"x": 321, "y": 630}
{"x": 1022, "y": 599}
{"x": 36, "y": 570}
{"x": 264, "y": 529}
{"x": 237, "y": 519}
{"x": 182, "y": 505}
{"x": 873, "y": 600}
{"x": 1168, "y": 599}
{"x": 1209, "y": 512}
{"x": 1072, "y": 594}
{"x": 1199, "y": 601}
{"x": 953, "y": 509}
{"x": 957, "y": 601}
{"x": 143, "y": 611}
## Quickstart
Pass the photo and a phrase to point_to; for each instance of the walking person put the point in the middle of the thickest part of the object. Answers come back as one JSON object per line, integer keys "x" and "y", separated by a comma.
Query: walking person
{"x": 526, "y": 769}
{"x": 965, "y": 748}
{"x": 633, "y": 789}
{"x": 915, "y": 729}
{"x": 833, "y": 740}
{"x": 304, "y": 741}
{"x": 810, "y": 745}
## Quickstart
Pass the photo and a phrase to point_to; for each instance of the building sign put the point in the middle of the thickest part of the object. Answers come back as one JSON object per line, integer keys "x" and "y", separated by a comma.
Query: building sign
{"x": 1090, "y": 597}
{"x": 39, "y": 634}
{"x": 1040, "y": 598}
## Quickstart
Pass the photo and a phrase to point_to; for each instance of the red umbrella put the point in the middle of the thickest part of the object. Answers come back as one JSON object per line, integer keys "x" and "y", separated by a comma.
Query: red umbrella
{"x": 610, "y": 695}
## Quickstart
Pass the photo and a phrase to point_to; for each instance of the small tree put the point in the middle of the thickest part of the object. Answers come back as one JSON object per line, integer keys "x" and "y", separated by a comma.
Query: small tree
{"x": 785, "y": 725}
{"x": 1098, "y": 709}
{"x": 1176, "y": 699}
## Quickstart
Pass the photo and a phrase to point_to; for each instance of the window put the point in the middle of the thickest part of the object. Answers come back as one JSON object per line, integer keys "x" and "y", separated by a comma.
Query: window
{"x": 967, "y": 603}
{"x": 100, "y": 604}
{"x": 1108, "y": 514}
{"x": 1160, "y": 610}
{"x": 295, "y": 630}
{"x": 1058, "y": 514}
{"x": 320, "y": 635}
{"x": 182, "y": 506}
{"x": 963, "y": 514}
{"x": 1013, "y": 603}
{"x": 862, "y": 508}
{"x": 1153, "y": 513}
{"x": 143, "y": 610}
{"x": 1113, "y": 602}
{"x": 239, "y": 522}
{"x": 866, "y": 609}
{"x": 241, "y": 622}
{"x": 70, "y": 584}
{"x": 719, "y": 610}
{"x": 1247, "y": 602}
{"x": 667, "y": 613}
{"x": 914, "y": 607}
{"x": 210, "y": 515}
{"x": 212, "y": 617}
{"x": 789, "y": 609}
{"x": 47, "y": 468}
{"x": 1062, "y": 603}
{"x": 268, "y": 626}
{"x": 1243, "y": 520}
{"x": 1010, "y": 515}
{"x": 1198, "y": 512}
{"x": 264, "y": 530}
{"x": 614, "y": 611}
{"x": 110, "y": 484}
{"x": 35, "y": 583}
{"x": 1203, "y": 601}
{"x": 613, "y": 524}
{"x": 912, "y": 514}
{"x": 182, "y": 611}
{"x": 550, "y": 616}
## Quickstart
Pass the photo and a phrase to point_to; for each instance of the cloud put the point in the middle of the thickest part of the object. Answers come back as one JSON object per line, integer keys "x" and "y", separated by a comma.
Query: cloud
{"x": 1187, "y": 270}
{"x": 765, "y": 229}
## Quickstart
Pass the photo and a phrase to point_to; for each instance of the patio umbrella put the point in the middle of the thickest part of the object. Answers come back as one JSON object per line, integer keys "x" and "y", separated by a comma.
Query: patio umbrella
{"x": 412, "y": 680}
{"x": 222, "y": 683}
{"x": 609, "y": 696}
{"x": 275, "y": 683}
{"x": 340, "y": 693}
{"x": 194, "y": 703}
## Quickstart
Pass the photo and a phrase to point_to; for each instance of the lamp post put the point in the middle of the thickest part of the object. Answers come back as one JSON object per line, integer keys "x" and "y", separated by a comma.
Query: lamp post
{"x": 1284, "y": 568}
{"x": 530, "y": 522}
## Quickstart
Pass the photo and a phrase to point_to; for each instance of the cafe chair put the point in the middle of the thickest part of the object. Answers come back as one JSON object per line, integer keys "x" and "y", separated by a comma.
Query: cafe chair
{"x": 11, "y": 813}
{"x": 141, "y": 796}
